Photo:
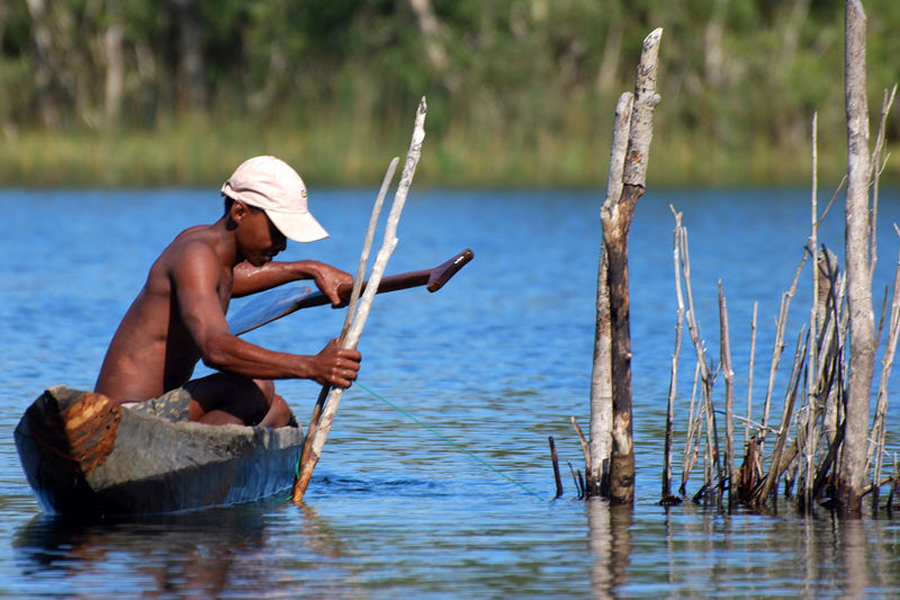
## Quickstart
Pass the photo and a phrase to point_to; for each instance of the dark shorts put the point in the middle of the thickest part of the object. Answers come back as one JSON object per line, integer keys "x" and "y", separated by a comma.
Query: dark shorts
{"x": 173, "y": 406}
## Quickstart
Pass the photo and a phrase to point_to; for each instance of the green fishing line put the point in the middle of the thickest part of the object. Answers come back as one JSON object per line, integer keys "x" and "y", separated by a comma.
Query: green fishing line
{"x": 449, "y": 441}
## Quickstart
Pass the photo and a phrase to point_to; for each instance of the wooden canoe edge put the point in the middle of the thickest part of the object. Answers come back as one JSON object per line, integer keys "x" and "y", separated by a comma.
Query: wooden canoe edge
{"x": 63, "y": 435}
{"x": 77, "y": 427}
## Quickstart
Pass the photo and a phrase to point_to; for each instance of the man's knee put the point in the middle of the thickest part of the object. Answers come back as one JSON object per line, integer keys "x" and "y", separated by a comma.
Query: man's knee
{"x": 279, "y": 414}
{"x": 267, "y": 387}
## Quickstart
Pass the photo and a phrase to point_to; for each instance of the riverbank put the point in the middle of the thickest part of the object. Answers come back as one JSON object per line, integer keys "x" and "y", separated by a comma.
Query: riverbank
{"x": 200, "y": 153}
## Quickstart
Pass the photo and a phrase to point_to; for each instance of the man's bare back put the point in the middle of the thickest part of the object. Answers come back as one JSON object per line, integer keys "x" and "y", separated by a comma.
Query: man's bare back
{"x": 178, "y": 318}
{"x": 153, "y": 351}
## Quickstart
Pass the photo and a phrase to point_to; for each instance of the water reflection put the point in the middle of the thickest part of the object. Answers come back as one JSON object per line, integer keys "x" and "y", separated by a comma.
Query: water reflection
{"x": 610, "y": 543}
{"x": 202, "y": 554}
{"x": 690, "y": 549}
{"x": 854, "y": 557}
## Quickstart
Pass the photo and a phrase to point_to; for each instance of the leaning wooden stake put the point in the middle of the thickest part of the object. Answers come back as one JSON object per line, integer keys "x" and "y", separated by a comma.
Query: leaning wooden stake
{"x": 876, "y": 446}
{"x": 777, "y": 466}
{"x": 750, "y": 368}
{"x": 812, "y": 399}
{"x": 725, "y": 353}
{"x": 555, "y": 460}
{"x": 351, "y": 309}
{"x": 705, "y": 370}
{"x": 777, "y": 350}
{"x": 320, "y": 434}
{"x": 589, "y": 484}
{"x": 673, "y": 374}
{"x": 616, "y": 216}
{"x": 367, "y": 246}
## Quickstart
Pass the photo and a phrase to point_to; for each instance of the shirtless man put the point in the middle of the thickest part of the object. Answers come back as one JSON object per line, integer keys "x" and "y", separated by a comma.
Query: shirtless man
{"x": 178, "y": 318}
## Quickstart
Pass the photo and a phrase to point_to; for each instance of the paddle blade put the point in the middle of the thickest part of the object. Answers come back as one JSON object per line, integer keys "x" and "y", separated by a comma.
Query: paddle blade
{"x": 269, "y": 306}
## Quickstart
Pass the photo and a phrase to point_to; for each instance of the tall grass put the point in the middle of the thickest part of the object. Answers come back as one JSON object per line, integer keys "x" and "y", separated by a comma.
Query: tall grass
{"x": 336, "y": 151}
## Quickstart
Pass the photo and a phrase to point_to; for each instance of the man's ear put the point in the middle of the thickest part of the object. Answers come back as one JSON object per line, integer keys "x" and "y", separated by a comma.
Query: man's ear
{"x": 238, "y": 211}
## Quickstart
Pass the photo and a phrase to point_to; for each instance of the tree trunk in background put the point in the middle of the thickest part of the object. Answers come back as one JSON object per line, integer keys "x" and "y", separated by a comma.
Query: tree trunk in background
{"x": 191, "y": 66}
{"x": 713, "y": 54}
{"x": 64, "y": 66}
{"x": 430, "y": 30}
{"x": 42, "y": 39}
{"x": 790, "y": 30}
{"x": 115, "y": 66}
{"x": 851, "y": 477}
{"x": 609, "y": 66}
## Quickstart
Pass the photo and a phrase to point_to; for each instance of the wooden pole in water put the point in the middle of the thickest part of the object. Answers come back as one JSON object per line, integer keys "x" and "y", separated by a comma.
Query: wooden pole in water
{"x": 878, "y": 425}
{"x": 673, "y": 374}
{"x": 876, "y": 449}
{"x": 320, "y": 434}
{"x": 351, "y": 310}
{"x": 555, "y": 460}
{"x": 852, "y": 475}
{"x": 704, "y": 371}
{"x": 616, "y": 215}
{"x": 812, "y": 362}
{"x": 725, "y": 353}
{"x": 750, "y": 375}
{"x": 601, "y": 376}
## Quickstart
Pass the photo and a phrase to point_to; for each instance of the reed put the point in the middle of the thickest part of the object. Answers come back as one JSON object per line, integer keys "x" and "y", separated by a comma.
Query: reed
{"x": 811, "y": 433}
{"x": 197, "y": 152}
{"x": 673, "y": 377}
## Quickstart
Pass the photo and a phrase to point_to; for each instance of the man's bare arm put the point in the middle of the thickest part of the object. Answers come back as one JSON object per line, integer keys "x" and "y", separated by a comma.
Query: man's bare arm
{"x": 250, "y": 280}
{"x": 196, "y": 279}
{"x": 331, "y": 366}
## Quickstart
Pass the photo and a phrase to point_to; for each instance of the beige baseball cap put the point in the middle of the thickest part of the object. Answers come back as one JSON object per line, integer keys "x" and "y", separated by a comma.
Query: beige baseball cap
{"x": 271, "y": 184}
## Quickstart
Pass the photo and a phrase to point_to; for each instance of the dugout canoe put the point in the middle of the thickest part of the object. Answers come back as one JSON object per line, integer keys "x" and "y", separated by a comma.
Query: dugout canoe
{"x": 83, "y": 455}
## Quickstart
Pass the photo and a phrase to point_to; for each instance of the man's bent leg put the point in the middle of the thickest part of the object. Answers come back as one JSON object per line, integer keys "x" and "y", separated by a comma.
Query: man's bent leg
{"x": 279, "y": 413}
{"x": 222, "y": 398}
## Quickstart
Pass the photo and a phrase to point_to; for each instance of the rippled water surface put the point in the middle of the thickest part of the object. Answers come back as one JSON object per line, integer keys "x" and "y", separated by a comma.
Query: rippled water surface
{"x": 494, "y": 363}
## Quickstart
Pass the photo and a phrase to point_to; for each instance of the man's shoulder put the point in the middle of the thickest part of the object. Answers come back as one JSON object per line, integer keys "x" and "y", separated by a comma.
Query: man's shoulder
{"x": 192, "y": 248}
{"x": 192, "y": 241}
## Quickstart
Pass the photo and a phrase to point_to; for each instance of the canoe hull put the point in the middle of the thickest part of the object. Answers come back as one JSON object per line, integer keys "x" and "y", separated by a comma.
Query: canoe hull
{"x": 83, "y": 455}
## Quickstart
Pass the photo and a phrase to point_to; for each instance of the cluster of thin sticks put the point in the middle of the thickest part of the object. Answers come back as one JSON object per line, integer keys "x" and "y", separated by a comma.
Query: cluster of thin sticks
{"x": 805, "y": 453}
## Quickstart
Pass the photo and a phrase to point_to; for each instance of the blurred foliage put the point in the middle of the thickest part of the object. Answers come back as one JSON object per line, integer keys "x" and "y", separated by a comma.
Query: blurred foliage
{"x": 519, "y": 91}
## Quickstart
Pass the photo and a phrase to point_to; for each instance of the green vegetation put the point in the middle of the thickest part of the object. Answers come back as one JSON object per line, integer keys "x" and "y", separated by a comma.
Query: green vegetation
{"x": 520, "y": 92}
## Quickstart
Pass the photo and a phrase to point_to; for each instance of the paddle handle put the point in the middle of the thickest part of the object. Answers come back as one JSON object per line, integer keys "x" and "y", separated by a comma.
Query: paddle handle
{"x": 433, "y": 279}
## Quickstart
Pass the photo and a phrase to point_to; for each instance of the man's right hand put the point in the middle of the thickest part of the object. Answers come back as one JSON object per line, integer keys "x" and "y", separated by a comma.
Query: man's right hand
{"x": 337, "y": 367}
{"x": 330, "y": 280}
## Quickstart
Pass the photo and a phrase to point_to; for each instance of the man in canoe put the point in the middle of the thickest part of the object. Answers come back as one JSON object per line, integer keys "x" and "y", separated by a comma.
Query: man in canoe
{"x": 178, "y": 318}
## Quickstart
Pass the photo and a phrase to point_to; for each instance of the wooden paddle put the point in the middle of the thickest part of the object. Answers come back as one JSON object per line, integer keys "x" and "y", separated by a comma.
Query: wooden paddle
{"x": 281, "y": 301}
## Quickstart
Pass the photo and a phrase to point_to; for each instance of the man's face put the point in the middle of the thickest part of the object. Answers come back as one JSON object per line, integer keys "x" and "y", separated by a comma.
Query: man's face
{"x": 260, "y": 241}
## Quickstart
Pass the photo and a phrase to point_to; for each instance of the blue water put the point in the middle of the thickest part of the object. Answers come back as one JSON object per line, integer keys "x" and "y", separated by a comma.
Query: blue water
{"x": 495, "y": 362}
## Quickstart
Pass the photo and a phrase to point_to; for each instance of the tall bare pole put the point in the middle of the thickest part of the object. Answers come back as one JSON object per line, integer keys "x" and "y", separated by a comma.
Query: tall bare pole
{"x": 673, "y": 376}
{"x": 852, "y": 475}
{"x": 725, "y": 354}
{"x": 320, "y": 426}
{"x": 616, "y": 220}
{"x": 601, "y": 376}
